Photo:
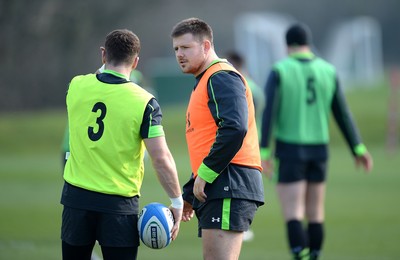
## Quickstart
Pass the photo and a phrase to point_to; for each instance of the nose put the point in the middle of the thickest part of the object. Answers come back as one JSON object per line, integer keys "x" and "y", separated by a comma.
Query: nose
{"x": 178, "y": 52}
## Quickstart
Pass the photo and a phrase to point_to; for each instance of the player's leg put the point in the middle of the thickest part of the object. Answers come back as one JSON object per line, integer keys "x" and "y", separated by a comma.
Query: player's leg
{"x": 118, "y": 236}
{"x": 222, "y": 222}
{"x": 77, "y": 233}
{"x": 315, "y": 207}
{"x": 291, "y": 197}
{"x": 315, "y": 198}
{"x": 221, "y": 244}
{"x": 120, "y": 253}
{"x": 291, "y": 190}
{"x": 315, "y": 216}
{"x": 70, "y": 252}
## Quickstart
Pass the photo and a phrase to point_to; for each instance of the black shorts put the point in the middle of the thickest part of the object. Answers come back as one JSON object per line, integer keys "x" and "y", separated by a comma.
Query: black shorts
{"x": 292, "y": 170}
{"x": 83, "y": 227}
{"x": 226, "y": 214}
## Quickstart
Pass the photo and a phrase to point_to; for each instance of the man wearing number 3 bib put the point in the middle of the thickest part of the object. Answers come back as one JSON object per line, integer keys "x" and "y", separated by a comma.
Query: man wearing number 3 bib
{"x": 111, "y": 122}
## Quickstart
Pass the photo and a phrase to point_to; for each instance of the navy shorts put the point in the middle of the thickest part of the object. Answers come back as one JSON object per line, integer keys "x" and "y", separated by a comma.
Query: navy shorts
{"x": 292, "y": 170}
{"x": 226, "y": 214}
{"x": 83, "y": 227}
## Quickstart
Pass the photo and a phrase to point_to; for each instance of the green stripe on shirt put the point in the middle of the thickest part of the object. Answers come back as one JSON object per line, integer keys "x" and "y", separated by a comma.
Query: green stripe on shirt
{"x": 156, "y": 131}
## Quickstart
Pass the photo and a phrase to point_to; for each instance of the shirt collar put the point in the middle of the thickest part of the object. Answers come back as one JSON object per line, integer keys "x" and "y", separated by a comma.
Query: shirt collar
{"x": 302, "y": 55}
{"x": 217, "y": 61}
{"x": 117, "y": 74}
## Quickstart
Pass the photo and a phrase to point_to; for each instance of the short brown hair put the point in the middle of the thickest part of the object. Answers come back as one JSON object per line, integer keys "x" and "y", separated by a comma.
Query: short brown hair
{"x": 122, "y": 46}
{"x": 194, "y": 26}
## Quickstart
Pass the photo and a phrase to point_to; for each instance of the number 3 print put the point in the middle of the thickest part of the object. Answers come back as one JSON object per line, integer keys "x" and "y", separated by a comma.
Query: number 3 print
{"x": 96, "y": 136}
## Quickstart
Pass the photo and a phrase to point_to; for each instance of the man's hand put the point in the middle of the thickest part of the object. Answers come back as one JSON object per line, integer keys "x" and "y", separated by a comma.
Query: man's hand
{"x": 268, "y": 168}
{"x": 177, "y": 217}
{"x": 366, "y": 161}
{"x": 188, "y": 211}
{"x": 198, "y": 189}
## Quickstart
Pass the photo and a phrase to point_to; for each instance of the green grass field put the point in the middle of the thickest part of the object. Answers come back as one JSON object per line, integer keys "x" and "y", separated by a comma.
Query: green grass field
{"x": 362, "y": 215}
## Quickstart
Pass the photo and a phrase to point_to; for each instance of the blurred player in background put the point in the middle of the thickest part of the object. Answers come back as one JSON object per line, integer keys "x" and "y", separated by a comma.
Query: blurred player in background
{"x": 111, "y": 121}
{"x": 301, "y": 92}
{"x": 226, "y": 186}
{"x": 65, "y": 147}
{"x": 238, "y": 62}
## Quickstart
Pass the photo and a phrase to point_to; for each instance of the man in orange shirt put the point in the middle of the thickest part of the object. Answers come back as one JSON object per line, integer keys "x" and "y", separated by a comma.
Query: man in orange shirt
{"x": 225, "y": 188}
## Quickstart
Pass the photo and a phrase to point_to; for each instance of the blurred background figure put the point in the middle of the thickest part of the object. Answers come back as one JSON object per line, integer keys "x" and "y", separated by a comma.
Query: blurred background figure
{"x": 237, "y": 60}
{"x": 137, "y": 77}
{"x": 65, "y": 148}
{"x": 301, "y": 91}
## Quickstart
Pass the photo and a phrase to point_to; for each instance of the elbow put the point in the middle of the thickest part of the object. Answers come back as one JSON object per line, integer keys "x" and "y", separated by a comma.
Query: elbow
{"x": 243, "y": 131}
{"x": 240, "y": 132}
{"x": 160, "y": 160}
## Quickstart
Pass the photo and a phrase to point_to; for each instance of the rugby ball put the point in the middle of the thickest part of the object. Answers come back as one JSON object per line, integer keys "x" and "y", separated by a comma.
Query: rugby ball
{"x": 155, "y": 225}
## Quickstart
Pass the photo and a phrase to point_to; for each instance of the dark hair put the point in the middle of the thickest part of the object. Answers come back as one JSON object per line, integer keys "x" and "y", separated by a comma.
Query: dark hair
{"x": 122, "y": 46}
{"x": 194, "y": 26}
{"x": 298, "y": 35}
{"x": 235, "y": 59}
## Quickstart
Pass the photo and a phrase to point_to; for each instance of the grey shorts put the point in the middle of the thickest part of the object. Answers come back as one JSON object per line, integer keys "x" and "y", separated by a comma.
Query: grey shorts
{"x": 83, "y": 227}
{"x": 226, "y": 214}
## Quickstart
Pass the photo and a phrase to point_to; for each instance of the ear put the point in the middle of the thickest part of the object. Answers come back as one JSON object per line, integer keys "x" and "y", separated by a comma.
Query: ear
{"x": 207, "y": 46}
{"x": 135, "y": 63}
{"x": 103, "y": 54}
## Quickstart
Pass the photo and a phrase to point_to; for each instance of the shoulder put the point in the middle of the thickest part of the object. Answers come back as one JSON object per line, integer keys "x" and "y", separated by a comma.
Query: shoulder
{"x": 153, "y": 104}
{"x": 282, "y": 62}
{"x": 323, "y": 63}
{"x": 228, "y": 81}
{"x": 225, "y": 77}
{"x": 282, "y": 65}
{"x": 222, "y": 70}
{"x": 226, "y": 73}
{"x": 83, "y": 77}
{"x": 79, "y": 79}
{"x": 136, "y": 91}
